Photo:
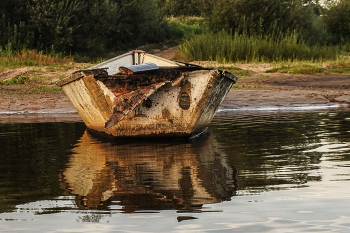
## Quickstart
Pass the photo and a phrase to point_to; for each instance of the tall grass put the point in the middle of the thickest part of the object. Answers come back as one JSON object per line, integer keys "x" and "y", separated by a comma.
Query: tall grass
{"x": 10, "y": 58}
{"x": 226, "y": 47}
{"x": 186, "y": 27}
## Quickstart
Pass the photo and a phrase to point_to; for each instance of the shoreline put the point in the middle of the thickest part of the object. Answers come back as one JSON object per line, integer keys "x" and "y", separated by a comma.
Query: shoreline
{"x": 275, "y": 92}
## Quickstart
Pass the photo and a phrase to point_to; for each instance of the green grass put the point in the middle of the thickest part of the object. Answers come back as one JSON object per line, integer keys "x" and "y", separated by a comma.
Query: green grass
{"x": 240, "y": 86}
{"x": 235, "y": 70}
{"x": 298, "y": 69}
{"x": 37, "y": 90}
{"x": 337, "y": 66}
{"x": 188, "y": 20}
{"x": 225, "y": 48}
{"x": 185, "y": 28}
{"x": 38, "y": 79}
{"x": 42, "y": 89}
{"x": 22, "y": 79}
{"x": 340, "y": 70}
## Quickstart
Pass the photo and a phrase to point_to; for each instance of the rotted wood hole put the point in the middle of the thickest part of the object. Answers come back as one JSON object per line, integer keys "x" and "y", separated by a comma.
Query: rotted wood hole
{"x": 147, "y": 103}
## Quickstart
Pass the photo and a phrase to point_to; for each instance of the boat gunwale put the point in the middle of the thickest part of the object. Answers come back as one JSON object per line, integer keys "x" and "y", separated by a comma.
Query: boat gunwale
{"x": 127, "y": 54}
{"x": 81, "y": 73}
{"x": 78, "y": 75}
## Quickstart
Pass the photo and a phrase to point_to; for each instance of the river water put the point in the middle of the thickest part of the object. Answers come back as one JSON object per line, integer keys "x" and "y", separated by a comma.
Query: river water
{"x": 255, "y": 171}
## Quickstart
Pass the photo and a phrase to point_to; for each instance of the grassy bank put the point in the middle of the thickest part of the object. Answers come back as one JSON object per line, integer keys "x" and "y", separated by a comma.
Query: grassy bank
{"x": 13, "y": 59}
{"x": 283, "y": 53}
{"x": 225, "y": 48}
{"x": 29, "y": 67}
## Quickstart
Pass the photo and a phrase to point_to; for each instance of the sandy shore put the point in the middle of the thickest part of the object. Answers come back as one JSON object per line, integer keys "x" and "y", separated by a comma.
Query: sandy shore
{"x": 287, "y": 92}
{"x": 275, "y": 92}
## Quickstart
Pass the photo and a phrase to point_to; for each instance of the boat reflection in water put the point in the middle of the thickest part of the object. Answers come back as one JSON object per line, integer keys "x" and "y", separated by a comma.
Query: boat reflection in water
{"x": 148, "y": 175}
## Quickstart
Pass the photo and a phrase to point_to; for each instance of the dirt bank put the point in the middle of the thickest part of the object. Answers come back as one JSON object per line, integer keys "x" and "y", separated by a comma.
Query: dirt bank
{"x": 283, "y": 91}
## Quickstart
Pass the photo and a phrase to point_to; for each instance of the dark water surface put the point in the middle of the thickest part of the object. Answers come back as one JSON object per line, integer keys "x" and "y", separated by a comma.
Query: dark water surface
{"x": 257, "y": 172}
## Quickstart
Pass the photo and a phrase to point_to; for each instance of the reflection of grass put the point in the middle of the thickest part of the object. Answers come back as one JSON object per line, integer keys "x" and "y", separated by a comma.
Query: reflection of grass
{"x": 188, "y": 27}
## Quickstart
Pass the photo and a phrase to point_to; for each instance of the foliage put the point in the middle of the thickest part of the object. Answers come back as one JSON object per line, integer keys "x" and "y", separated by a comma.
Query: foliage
{"x": 235, "y": 70}
{"x": 186, "y": 27}
{"x": 225, "y": 47}
{"x": 179, "y": 7}
{"x": 338, "y": 66}
{"x": 264, "y": 17}
{"x": 103, "y": 28}
{"x": 89, "y": 26}
{"x": 15, "y": 81}
{"x": 337, "y": 20}
{"x": 305, "y": 68}
{"x": 41, "y": 90}
{"x": 30, "y": 58}
{"x": 53, "y": 22}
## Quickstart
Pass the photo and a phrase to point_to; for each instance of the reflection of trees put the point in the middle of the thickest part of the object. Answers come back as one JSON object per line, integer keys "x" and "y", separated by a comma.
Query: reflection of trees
{"x": 269, "y": 150}
{"x": 148, "y": 175}
{"x": 31, "y": 156}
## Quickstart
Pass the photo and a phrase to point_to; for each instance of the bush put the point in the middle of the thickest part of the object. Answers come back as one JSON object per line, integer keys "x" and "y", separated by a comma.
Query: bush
{"x": 88, "y": 26}
{"x": 179, "y": 7}
{"x": 225, "y": 47}
{"x": 265, "y": 17}
{"x": 337, "y": 20}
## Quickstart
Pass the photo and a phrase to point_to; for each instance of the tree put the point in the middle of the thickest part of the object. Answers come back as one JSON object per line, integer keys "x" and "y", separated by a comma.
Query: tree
{"x": 84, "y": 26}
{"x": 98, "y": 21}
{"x": 337, "y": 20}
{"x": 261, "y": 17}
{"x": 179, "y": 7}
{"x": 13, "y": 24}
{"x": 54, "y": 22}
{"x": 142, "y": 22}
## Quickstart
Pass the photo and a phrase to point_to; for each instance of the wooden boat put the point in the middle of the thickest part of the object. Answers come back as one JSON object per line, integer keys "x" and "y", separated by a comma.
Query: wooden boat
{"x": 142, "y": 95}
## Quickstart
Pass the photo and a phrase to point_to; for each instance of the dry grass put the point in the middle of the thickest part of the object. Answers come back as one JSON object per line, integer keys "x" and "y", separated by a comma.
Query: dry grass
{"x": 31, "y": 58}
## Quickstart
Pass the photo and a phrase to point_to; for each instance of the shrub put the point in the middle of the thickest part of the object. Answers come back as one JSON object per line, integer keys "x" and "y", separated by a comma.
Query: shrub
{"x": 225, "y": 47}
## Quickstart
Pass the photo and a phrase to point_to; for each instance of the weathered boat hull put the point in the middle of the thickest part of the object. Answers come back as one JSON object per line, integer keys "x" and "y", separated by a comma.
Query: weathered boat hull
{"x": 175, "y": 109}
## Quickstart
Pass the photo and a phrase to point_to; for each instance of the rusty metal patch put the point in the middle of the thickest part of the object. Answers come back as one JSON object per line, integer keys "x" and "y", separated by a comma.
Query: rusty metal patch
{"x": 165, "y": 113}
